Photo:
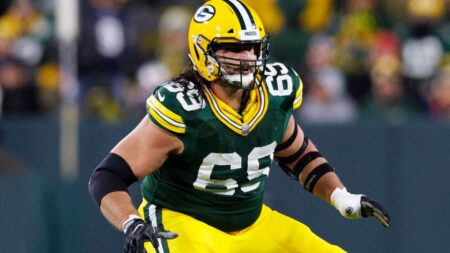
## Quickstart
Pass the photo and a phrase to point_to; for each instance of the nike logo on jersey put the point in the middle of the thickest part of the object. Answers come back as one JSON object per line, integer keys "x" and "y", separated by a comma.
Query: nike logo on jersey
{"x": 161, "y": 98}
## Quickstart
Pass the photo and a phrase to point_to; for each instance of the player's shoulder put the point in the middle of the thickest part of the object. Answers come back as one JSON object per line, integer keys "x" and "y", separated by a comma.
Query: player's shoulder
{"x": 167, "y": 93}
{"x": 284, "y": 84}
{"x": 279, "y": 68}
{"x": 170, "y": 102}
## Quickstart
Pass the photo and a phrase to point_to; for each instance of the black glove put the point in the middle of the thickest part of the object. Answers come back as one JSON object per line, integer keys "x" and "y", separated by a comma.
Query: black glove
{"x": 139, "y": 232}
{"x": 372, "y": 208}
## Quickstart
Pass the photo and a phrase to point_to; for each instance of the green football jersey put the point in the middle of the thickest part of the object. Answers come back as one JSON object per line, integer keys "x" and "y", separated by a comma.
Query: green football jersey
{"x": 219, "y": 178}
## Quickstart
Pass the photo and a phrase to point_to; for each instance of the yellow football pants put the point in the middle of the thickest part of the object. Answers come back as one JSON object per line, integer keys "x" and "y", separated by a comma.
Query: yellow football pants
{"x": 272, "y": 232}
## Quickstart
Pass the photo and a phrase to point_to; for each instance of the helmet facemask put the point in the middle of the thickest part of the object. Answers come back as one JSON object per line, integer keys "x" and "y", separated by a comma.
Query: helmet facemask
{"x": 244, "y": 71}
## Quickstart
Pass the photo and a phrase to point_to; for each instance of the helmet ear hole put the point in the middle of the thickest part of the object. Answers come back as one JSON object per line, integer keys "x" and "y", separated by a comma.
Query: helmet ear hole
{"x": 231, "y": 30}
{"x": 210, "y": 69}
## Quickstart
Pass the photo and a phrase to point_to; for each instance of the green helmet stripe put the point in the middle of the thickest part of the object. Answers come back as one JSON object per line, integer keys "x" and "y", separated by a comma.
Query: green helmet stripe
{"x": 243, "y": 13}
{"x": 252, "y": 21}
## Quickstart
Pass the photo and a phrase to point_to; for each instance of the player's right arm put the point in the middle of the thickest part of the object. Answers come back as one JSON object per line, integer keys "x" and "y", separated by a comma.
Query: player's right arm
{"x": 140, "y": 153}
{"x": 143, "y": 150}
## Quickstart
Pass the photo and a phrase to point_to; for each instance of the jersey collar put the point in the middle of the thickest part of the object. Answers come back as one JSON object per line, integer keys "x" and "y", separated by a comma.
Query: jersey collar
{"x": 253, "y": 113}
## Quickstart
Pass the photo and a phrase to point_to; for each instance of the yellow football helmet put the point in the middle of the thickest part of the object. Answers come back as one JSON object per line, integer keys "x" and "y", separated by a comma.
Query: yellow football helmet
{"x": 226, "y": 22}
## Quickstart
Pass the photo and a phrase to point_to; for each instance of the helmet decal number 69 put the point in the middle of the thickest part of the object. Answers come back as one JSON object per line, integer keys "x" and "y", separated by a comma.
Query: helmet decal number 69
{"x": 204, "y": 14}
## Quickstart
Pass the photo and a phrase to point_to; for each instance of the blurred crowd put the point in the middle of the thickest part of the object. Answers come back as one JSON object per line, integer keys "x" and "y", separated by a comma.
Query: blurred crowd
{"x": 359, "y": 59}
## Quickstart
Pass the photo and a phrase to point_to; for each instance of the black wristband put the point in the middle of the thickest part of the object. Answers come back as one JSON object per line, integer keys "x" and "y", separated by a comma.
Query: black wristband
{"x": 315, "y": 175}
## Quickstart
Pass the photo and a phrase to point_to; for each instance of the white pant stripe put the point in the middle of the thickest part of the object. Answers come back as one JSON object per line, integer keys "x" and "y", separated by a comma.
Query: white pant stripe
{"x": 154, "y": 221}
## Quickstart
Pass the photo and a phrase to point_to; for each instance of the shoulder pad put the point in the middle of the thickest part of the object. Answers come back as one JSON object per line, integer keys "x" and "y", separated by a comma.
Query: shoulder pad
{"x": 169, "y": 103}
{"x": 163, "y": 109}
{"x": 283, "y": 81}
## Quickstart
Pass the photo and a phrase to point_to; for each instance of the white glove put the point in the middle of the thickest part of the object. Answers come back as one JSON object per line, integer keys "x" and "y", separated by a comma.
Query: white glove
{"x": 349, "y": 205}
{"x": 355, "y": 206}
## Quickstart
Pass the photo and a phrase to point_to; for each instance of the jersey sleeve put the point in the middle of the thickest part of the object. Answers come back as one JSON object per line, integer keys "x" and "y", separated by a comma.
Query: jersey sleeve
{"x": 163, "y": 109}
{"x": 284, "y": 85}
{"x": 298, "y": 88}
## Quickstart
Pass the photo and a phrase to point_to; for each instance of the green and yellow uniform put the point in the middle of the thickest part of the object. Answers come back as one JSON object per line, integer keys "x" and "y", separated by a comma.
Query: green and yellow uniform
{"x": 217, "y": 183}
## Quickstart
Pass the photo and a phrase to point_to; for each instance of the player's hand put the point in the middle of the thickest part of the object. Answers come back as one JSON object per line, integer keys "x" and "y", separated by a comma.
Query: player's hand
{"x": 139, "y": 232}
{"x": 372, "y": 208}
{"x": 355, "y": 206}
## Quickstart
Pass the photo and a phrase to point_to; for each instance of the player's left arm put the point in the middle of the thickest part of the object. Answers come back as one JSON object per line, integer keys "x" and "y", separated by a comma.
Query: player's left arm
{"x": 300, "y": 158}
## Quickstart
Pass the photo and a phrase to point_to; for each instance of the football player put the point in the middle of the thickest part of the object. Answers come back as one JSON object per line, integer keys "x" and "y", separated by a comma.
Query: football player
{"x": 205, "y": 149}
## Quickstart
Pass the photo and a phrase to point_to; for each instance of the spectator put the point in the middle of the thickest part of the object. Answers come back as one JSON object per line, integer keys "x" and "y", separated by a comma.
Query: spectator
{"x": 388, "y": 98}
{"x": 317, "y": 15}
{"x": 28, "y": 31}
{"x": 439, "y": 98}
{"x": 326, "y": 100}
{"x": 385, "y": 43}
{"x": 47, "y": 80}
{"x": 18, "y": 93}
{"x": 321, "y": 52}
{"x": 6, "y": 41}
{"x": 102, "y": 55}
{"x": 117, "y": 37}
{"x": 126, "y": 47}
{"x": 171, "y": 55}
{"x": 355, "y": 38}
{"x": 422, "y": 47}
